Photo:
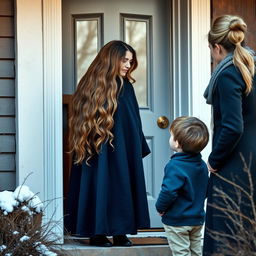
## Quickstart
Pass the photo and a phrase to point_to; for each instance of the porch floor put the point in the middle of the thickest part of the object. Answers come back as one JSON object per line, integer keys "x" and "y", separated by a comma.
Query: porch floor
{"x": 136, "y": 250}
{"x": 142, "y": 246}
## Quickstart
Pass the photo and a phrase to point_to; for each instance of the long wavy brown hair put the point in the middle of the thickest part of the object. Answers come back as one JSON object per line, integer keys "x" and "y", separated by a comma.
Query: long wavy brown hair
{"x": 95, "y": 101}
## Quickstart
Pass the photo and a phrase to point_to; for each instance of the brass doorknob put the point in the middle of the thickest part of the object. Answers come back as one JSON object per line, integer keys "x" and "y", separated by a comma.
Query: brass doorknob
{"x": 162, "y": 122}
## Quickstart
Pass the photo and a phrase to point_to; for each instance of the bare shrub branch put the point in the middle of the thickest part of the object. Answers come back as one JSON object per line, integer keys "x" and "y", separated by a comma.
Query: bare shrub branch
{"x": 231, "y": 205}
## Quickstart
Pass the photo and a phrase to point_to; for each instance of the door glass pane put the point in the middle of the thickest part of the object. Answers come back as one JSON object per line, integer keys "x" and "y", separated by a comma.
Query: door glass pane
{"x": 86, "y": 44}
{"x": 136, "y": 34}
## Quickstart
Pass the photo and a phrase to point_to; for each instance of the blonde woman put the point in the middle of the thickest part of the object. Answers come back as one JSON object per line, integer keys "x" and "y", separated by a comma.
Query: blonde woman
{"x": 107, "y": 194}
{"x": 231, "y": 92}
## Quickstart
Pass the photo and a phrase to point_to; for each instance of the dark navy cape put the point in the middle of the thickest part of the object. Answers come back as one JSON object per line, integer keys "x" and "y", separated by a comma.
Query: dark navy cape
{"x": 109, "y": 196}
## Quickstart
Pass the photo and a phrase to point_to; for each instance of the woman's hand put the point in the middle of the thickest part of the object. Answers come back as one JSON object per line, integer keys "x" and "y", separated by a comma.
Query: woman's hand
{"x": 210, "y": 169}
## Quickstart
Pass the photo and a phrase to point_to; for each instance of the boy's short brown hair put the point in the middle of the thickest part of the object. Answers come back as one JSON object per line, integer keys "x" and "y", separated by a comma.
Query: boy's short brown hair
{"x": 191, "y": 133}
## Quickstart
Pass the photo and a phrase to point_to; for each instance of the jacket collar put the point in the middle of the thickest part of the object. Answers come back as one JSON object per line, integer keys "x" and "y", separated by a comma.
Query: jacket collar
{"x": 187, "y": 156}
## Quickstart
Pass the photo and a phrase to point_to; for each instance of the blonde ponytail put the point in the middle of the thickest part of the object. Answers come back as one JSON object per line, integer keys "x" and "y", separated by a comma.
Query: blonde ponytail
{"x": 243, "y": 59}
{"x": 229, "y": 31}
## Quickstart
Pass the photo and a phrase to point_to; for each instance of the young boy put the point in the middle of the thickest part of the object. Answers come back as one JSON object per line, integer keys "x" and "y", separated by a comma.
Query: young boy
{"x": 183, "y": 192}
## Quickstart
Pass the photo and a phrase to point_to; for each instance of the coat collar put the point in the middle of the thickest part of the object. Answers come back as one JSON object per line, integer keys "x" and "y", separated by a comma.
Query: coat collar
{"x": 187, "y": 156}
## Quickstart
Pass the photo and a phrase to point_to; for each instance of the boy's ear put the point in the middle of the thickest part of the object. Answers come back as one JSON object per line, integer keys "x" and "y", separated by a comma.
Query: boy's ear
{"x": 177, "y": 145}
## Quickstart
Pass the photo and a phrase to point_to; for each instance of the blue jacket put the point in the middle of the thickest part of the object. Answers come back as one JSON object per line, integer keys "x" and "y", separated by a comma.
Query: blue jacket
{"x": 183, "y": 190}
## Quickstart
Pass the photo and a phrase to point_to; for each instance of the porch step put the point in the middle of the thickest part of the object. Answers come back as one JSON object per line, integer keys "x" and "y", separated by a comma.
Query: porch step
{"x": 137, "y": 250}
{"x": 145, "y": 245}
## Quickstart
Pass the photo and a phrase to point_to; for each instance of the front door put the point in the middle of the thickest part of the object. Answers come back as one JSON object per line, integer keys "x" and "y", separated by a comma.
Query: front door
{"x": 145, "y": 25}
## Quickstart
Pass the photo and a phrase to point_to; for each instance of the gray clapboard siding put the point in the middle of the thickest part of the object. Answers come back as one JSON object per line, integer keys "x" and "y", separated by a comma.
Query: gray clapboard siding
{"x": 7, "y": 106}
{"x": 7, "y": 125}
{"x": 7, "y": 48}
{"x": 7, "y": 143}
{"x": 7, "y": 96}
{"x": 6, "y": 7}
{"x": 6, "y": 68}
{"x": 6, "y": 26}
{"x": 7, "y": 87}
{"x": 7, "y": 180}
{"x": 7, "y": 162}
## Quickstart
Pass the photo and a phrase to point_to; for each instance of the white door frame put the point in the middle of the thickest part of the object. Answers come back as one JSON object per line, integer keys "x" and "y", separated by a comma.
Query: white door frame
{"x": 39, "y": 102}
{"x": 39, "y": 87}
{"x": 191, "y": 62}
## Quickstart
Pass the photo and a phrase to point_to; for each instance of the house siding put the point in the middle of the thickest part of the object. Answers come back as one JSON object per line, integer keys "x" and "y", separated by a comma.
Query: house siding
{"x": 7, "y": 96}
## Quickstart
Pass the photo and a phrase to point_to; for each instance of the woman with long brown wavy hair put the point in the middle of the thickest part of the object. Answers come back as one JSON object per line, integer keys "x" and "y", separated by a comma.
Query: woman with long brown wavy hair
{"x": 107, "y": 195}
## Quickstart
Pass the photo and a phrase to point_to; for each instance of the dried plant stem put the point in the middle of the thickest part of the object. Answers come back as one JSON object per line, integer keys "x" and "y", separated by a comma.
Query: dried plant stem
{"x": 238, "y": 207}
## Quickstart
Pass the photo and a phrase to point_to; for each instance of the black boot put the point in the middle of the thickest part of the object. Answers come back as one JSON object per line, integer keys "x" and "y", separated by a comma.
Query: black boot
{"x": 100, "y": 240}
{"x": 121, "y": 240}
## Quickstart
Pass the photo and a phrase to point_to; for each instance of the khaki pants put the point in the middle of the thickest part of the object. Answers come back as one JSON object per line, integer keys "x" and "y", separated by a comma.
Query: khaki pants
{"x": 184, "y": 240}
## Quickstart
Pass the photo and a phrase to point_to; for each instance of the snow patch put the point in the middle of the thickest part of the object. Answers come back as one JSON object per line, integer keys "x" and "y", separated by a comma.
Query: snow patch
{"x": 36, "y": 203}
{"x": 24, "y": 238}
{"x": 2, "y": 247}
{"x": 9, "y": 200}
{"x": 23, "y": 193}
{"x": 45, "y": 251}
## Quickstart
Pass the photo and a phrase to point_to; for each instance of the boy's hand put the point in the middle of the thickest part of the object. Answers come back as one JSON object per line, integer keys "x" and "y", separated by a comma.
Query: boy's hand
{"x": 161, "y": 213}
